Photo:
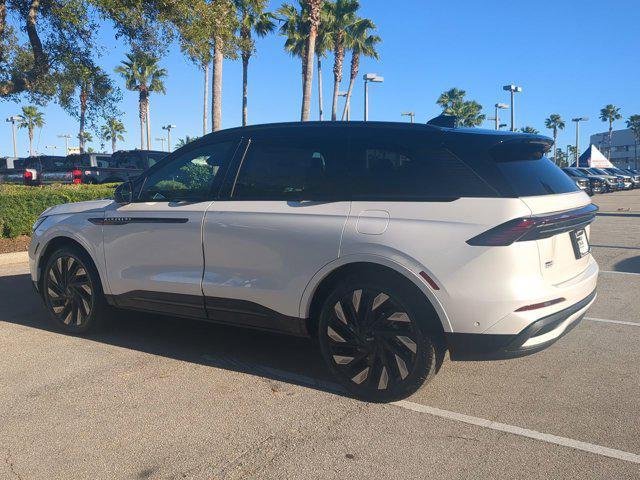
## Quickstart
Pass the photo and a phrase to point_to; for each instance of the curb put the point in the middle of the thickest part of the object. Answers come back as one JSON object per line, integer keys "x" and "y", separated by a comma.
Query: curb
{"x": 13, "y": 258}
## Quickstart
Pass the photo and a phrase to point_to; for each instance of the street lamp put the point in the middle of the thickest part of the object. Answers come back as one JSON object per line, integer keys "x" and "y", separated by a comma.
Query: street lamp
{"x": 502, "y": 125}
{"x": 52, "y": 147}
{"x": 161, "y": 140}
{"x": 411, "y": 115}
{"x": 13, "y": 119}
{"x": 66, "y": 137}
{"x": 499, "y": 106}
{"x": 344, "y": 94}
{"x": 513, "y": 89}
{"x": 369, "y": 77}
{"x": 578, "y": 120}
{"x": 168, "y": 129}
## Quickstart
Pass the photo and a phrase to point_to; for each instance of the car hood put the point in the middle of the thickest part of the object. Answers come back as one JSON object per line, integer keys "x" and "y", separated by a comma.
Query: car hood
{"x": 91, "y": 206}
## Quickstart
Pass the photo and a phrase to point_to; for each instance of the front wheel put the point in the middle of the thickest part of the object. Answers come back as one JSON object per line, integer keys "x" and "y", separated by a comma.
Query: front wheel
{"x": 374, "y": 339}
{"x": 72, "y": 292}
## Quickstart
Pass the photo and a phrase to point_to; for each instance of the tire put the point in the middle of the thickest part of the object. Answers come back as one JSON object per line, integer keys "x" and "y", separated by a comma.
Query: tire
{"x": 375, "y": 338}
{"x": 72, "y": 291}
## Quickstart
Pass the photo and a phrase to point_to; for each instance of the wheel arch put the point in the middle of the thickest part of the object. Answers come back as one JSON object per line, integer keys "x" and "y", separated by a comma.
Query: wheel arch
{"x": 60, "y": 241}
{"x": 323, "y": 281}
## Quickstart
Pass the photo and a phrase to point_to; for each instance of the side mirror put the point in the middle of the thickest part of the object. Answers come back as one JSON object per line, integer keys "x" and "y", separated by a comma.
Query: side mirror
{"x": 124, "y": 193}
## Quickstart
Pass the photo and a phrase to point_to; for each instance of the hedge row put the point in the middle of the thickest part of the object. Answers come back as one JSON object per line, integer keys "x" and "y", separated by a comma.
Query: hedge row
{"x": 21, "y": 205}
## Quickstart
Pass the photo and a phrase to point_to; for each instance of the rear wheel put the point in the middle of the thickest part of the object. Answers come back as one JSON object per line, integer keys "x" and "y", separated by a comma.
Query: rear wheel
{"x": 374, "y": 338}
{"x": 72, "y": 292}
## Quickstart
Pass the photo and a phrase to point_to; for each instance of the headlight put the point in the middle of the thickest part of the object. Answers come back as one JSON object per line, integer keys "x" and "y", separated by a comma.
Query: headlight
{"x": 38, "y": 222}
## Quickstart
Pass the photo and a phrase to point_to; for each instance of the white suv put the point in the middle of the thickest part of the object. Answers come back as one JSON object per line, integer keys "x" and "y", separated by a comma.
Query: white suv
{"x": 388, "y": 242}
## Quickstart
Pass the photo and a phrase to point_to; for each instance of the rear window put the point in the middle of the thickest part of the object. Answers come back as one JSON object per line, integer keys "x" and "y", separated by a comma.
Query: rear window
{"x": 53, "y": 163}
{"x": 536, "y": 177}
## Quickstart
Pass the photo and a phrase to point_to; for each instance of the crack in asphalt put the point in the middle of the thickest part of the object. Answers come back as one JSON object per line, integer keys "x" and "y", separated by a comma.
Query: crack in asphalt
{"x": 11, "y": 465}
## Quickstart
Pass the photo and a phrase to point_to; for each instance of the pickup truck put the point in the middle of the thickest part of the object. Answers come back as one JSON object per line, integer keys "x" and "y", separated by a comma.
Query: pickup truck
{"x": 11, "y": 170}
{"x": 93, "y": 168}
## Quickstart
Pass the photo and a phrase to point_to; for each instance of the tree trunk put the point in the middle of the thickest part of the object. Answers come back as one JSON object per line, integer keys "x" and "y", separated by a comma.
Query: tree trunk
{"x": 355, "y": 66}
{"x": 337, "y": 74}
{"x": 83, "y": 110}
{"x": 143, "y": 116}
{"x": 555, "y": 145}
{"x": 30, "y": 140}
{"x": 610, "y": 138}
{"x": 206, "y": 99}
{"x": 113, "y": 144}
{"x": 314, "y": 22}
{"x": 149, "y": 144}
{"x": 320, "y": 112}
{"x": 216, "y": 100}
{"x": 245, "y": 75}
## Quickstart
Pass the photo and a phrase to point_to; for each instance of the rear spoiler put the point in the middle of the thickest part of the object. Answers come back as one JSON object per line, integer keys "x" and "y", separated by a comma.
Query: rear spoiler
{"x": 525, "y": 147}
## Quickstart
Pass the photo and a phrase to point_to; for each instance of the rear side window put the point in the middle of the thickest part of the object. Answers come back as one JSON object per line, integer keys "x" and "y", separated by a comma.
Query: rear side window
{"x": 398, "y": 165}
{"x": 292, "y": 167}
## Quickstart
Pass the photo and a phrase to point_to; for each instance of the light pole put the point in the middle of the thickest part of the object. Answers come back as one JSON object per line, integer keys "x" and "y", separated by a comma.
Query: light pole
{"x": 161, "y": 140}
{"x": 13, "y": 119}
{"x": 578, "y": 120}
{"x": 66, "y": 137}
{"x": 499, "y": 106}
{"x": 344, "y": 94}
{"x": 369, "y": 77}
{"x": 411, "y": 115}
{"x": 513, "y": 89}
{"x": 168, "y": 129}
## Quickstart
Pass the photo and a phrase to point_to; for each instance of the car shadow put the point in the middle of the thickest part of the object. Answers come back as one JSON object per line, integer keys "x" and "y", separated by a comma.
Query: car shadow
{"x": 276, "y": 357}
{"x": 628, "y": 265}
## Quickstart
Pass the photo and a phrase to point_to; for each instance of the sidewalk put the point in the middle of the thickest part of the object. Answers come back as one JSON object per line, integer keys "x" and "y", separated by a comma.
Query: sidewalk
{"x": 13, "y": 258}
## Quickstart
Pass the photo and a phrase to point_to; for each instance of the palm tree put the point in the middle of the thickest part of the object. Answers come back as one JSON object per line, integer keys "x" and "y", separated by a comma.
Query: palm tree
{"x": 633, "y": 123}
{"x": 31, "y": 118}
{"x": 555, "y": 123}
{"x": 223, "y": 25}
{"x": 143, "y": 74}
{"x": 253, "y": 19}
{"x": 530, "y": 130}
{"x": 294, "y": 27}
{"x": 467, "y": 112}
{"x": 342, "y": 17}
{"x": 361, "y": 43}
{"x": 314, "y": 8}
{"x": 183, "y": 141}
{"x": 610, "y": 113}
{"x": 113, "y": 131}
{"x": 324, "y": 44}
{"x": 450, "y": 99}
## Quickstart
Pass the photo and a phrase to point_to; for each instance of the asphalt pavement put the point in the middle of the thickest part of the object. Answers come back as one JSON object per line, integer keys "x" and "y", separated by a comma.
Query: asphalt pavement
{"x": 155, "y": 397}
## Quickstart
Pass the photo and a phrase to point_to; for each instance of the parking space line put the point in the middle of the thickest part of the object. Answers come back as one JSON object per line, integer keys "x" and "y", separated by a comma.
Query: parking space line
{"x": 523, "y": 432}
{"x": 620, "y": 322}
{"x": 620, "y": 273}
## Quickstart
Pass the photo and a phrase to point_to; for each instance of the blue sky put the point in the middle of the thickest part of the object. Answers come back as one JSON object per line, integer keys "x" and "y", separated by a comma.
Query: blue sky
{"x": 571, "y": 57}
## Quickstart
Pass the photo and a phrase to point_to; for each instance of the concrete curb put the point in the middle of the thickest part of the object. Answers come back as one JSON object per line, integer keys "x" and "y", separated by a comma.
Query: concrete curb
{"x": 13, "y": 258}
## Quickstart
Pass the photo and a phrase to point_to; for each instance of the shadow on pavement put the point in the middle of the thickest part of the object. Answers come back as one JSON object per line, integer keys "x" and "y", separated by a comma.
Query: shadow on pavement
{"x": 628, "y": 265}
{"x": 277, "y": 357}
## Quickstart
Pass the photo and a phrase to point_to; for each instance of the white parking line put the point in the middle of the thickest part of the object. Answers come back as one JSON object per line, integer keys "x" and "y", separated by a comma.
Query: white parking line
{"x": 523, "y": 432}
{"x": 620, "y": 322}
{"x": 619, "y": 273}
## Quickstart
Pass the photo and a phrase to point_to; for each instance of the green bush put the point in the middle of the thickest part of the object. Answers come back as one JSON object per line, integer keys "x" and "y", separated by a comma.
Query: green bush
{"x": 20, "y": 205}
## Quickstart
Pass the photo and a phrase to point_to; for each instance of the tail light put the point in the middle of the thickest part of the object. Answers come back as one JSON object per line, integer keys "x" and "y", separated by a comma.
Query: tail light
{"x": 77, "y": 176}
{"x": 28, "y": 176}
{"x": 535, "y": 227}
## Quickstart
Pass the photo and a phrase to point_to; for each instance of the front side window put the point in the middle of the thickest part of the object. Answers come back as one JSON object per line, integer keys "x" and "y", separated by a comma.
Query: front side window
{"x": 188, "y": 177}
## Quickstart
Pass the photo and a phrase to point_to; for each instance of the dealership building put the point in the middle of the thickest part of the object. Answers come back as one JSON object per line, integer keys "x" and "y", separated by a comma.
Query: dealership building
{"x": 624, "y": 148}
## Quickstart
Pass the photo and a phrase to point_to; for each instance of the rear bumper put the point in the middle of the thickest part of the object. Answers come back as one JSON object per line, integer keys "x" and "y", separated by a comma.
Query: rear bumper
{"x": 535, "y": 337}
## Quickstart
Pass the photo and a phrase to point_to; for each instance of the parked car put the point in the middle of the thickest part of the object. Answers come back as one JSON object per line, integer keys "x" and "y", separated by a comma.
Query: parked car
{"x": 96, "y": 168}
{"x": 582, "y": 181}
{"x": 623, "y": 183}
{"x": 612, "y": 181}
{"x": 635, "y": 176}
{"x": 11, "y": 170}
{"x": 627, "y": 177}
{"x": 387, "y": 242}
{"x": 597, "y": 184}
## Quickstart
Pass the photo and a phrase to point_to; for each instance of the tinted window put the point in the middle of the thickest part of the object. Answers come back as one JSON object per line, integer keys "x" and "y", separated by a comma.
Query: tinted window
{"x": 187, "y": 177}
{"x": 292, "y": 167}
{"x": 58, "y": 163}
{"x": 536, "y": 177}
{"x": 400, "y": 165}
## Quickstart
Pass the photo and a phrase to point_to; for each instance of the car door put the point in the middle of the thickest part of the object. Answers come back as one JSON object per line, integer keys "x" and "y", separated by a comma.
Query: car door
{"x": 153, "y": 245}
{"x": 281, "y": 223}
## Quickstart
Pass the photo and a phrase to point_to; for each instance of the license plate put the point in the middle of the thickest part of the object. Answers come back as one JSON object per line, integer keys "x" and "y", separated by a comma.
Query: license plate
{"x": 580, "y": 243}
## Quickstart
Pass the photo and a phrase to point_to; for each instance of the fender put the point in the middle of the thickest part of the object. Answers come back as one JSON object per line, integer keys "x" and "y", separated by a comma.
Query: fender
{"x": 409, "y": 271}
